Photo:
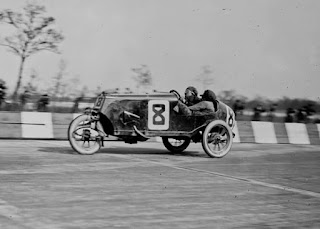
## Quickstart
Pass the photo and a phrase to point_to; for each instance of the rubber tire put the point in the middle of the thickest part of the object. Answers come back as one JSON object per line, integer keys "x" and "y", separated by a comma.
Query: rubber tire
{"x": 73, "y": 125}
{"x": 205, "y": 145}
{"x": 176, "y": 149}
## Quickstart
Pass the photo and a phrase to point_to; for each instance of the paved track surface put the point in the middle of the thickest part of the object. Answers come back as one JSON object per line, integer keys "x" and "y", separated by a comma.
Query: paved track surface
{"x": 44, "y": 184}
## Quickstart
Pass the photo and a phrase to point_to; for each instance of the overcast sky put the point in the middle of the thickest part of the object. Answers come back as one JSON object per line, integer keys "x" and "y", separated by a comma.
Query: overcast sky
{"x": 269, "y": 48}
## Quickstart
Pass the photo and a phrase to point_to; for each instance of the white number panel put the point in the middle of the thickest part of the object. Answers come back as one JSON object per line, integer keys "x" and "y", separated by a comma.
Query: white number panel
{"x": 158, "y": 114}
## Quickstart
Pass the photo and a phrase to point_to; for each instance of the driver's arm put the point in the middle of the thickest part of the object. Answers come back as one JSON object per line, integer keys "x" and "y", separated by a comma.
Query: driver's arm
{"x": 199, "y": 106}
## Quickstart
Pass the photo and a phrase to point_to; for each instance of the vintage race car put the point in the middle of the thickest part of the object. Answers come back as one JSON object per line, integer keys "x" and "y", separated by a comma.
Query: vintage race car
{"x": 134, "y": 118}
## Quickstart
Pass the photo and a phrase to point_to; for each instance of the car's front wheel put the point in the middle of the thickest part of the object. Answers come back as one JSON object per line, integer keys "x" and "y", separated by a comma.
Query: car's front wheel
{"x": 84, "y": 136}
{"x": 176, "y": 145}
{"x": 217, "y": 139}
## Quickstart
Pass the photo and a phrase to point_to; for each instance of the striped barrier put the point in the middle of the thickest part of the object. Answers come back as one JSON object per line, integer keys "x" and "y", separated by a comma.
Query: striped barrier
{"x": 42, "y": 125}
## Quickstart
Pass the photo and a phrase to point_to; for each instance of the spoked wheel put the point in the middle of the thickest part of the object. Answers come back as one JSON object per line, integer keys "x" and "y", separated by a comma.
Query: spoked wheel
{"x": 176, "y": 145}
{"x": 83, "y": 135}
{"x": 217, "y": 139}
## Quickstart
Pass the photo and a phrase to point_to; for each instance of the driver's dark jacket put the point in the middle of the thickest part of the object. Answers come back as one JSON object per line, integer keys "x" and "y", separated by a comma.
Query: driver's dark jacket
{"x": 201, "y": 108}
{"x": 191, "y": 103}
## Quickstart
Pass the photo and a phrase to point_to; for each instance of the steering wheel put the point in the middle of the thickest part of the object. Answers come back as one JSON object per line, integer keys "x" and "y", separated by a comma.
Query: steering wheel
{"x": 176, "y": 94}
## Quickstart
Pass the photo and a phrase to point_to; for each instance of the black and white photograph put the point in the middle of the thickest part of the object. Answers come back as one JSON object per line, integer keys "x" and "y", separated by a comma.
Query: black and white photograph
{"x": 159, "y": 114}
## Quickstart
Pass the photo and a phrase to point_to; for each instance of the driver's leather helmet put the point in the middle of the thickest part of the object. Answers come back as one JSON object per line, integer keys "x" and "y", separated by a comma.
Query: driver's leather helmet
{"x": 209, "y": 95}
{"x": 193, "y": 90}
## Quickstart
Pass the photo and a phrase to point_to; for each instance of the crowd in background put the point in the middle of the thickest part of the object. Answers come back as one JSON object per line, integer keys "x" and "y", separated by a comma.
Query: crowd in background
{"x": 303, "y": 114}
{"x": 24, "y": 99}
{"x": 3, "y": 89}
{"x": 28, "y": 101}
{"x": 41, "y": 104}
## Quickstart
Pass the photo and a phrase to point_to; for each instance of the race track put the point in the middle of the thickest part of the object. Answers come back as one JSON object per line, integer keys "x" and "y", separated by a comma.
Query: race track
{"x": 44, "y": 184}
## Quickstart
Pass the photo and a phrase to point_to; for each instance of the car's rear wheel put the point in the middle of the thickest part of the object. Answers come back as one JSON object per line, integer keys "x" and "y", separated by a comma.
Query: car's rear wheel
{"x": 83, "y": 135}
{"x": 217, "y": 139}
{"x": 176, "y": 145}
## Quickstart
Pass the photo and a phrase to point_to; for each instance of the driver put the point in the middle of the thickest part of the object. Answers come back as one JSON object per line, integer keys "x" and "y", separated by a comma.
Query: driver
{"x": 204, "y": 107}
{"x": 191, "y": 96}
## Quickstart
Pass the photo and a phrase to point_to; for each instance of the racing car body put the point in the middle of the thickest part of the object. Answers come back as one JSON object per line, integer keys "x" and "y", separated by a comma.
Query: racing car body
{"x": 133, "y": 118}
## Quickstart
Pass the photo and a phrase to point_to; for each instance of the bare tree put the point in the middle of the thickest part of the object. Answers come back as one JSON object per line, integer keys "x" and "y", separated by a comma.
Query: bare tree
{"x": 31, "y": 85}
{"x": 142, "y": 76}
{"x": 205, "y": 76}
{"x": 34, "y": 33}
{"x": 64, "y": 86}
{"x": 58, "y": 80}
{"x": 75, "y": 88}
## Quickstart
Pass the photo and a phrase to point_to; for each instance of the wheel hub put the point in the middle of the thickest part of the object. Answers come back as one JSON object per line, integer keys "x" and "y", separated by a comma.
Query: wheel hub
{"x": 214, "y": 138}
{"x": 86, "y": 134}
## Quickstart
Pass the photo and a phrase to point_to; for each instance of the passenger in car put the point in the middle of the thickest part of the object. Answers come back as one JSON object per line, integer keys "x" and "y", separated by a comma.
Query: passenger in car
{"x": 207, "y": 106}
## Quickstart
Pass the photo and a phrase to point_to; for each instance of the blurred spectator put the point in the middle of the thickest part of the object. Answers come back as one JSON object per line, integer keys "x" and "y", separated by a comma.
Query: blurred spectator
{"x": 301, "y": 115}
{"x": 43, "y": 102}
{"x": 3, "y": 89}
{"x": 24, "y": 97}
{"x": 76, "y": 104}
{"x": 309, "y": 111}
{"x": 289, "y": 115}
{"x": 128, "y": 90}
{"x": 271, "y": 112}
{"x": 238, "y": 107}
{"x": 304, "y": 113}
{"x": 257, "y": 112}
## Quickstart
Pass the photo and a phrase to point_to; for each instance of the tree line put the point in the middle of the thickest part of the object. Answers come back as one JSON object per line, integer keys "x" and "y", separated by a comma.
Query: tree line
{"x": 36, "y": 32}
